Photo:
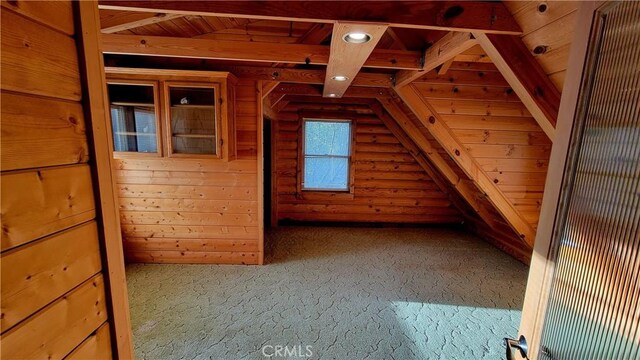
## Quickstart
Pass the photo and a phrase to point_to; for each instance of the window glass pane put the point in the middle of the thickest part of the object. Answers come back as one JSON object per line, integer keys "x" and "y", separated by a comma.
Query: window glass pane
{"x": 327, "y": 137}
{"x": 133, "y": 117}
{"x": 193, "y": 120}
{"x": 326, "y": 173}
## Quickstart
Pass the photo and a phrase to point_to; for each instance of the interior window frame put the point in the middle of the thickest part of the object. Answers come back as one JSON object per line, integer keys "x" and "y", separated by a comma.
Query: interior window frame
{"x": 348, "y": 192}
{"x": 217, "y": 114}
{"x": 158, "y": 114}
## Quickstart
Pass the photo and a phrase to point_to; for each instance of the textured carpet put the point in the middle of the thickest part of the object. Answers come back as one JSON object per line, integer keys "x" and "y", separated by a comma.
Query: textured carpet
{"x": 348, "y": 293}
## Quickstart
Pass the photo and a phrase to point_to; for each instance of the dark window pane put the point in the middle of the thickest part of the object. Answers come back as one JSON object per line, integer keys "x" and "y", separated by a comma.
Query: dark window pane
{"x": 133, "y": 118}
{"x": 193, "y": 120}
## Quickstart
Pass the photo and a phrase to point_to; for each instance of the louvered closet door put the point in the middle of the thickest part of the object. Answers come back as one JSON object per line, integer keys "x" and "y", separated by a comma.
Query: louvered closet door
{"x": 593, "y": 310}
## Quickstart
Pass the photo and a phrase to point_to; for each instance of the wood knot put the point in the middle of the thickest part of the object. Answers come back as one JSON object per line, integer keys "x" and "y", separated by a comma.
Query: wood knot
{"x": 542, "y": 7}
{"x": 495, "y": 181}
{"x": 143, "y": 42}
{"x": 457, "y": 152}
{"x": 453, "y": 12}
{"x": 540, "y": 49}
{"x": 432, "y": 120}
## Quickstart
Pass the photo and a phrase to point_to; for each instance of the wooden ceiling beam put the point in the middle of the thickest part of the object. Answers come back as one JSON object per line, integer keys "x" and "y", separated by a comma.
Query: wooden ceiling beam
{"x": 303, "y": 76}
{"x": 526, "y": 77}
{"x": 442, "y": 51}
{"x": 317, "y": 100}
{"x": 490, "y": 17}
{"x": 443, "y": 134}
{"x": 264, "y": 73}
{"x": 310, "y": 90}
{"x": 346, "y": 59}
{"x": 247, "y": 51}
{"x": 122, "y": 21}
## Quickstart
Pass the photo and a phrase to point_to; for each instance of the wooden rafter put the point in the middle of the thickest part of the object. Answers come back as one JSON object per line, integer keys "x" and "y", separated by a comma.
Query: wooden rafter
{"x": 267, "y": 87}
{"x": 491, "y": 17}
{"x": 441, "y": 132}
{"x": 247, "y": 51}
{"x": 346, "y": 59}
{"x": 526, "y": 77}
{"x": 310, "y": 90}
{"x": 121, "y": 21}
{"x": 442, "y": 51}
{"x": 468, "y": 193}
{"x": 265, "y": 73}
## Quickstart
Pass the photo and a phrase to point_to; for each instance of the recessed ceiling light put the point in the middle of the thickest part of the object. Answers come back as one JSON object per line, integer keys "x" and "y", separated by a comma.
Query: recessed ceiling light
{"x": 357, "y": 37}
{"x": 340, "y": 78}
{"x": 332, "y": 95}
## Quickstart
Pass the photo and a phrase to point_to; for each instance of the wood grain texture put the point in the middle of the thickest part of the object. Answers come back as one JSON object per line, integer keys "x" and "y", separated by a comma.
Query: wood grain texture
{"x": 429, "y": 117}
{"x": 56, "y": 330}
{"x": 411, "y": 14}
{"x": 42, "y": 11}
{"x": 96, "y": 347}
{"x": 346, "y": 59}
{"x": 40, "y": 202}
{"x": 243, "y": 51}
{"x": 551, "y": 26}
{"x": 533, "y": 86}
{"x": 444, "y": 50}
{"x": 37, "y": 59}
{"x": 41, "y": 132}
{"x": 37, "y": 274}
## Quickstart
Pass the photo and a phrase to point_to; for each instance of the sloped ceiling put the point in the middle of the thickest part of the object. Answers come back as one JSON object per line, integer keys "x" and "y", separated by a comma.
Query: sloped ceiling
{"x": 481, "y": 118}
{"x": 547, "y": 30}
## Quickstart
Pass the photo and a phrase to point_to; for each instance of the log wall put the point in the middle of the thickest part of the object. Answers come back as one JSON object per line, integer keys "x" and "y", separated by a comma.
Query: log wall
{"x": 389, "y": 185}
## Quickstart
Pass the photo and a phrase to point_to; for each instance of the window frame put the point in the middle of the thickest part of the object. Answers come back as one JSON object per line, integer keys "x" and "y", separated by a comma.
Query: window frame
{"x": 333, "y": 193}
{"x": 158, "y": 113}
{"x": 218, "y": 117}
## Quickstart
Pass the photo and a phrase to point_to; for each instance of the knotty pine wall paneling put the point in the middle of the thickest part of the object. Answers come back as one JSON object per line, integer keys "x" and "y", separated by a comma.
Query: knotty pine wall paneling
{"x": 182, "y": 210}
{"x": 53, "y": 281}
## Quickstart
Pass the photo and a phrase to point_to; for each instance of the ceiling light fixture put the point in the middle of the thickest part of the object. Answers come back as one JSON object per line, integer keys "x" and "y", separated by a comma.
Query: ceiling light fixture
{"x": 340, "y": 78}
{"x": 332, "y": 95}
{"x": 356, "y": 37}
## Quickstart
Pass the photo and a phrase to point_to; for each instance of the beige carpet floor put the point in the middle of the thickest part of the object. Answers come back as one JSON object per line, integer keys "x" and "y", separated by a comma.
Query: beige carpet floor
{"x": 334, "y": 293}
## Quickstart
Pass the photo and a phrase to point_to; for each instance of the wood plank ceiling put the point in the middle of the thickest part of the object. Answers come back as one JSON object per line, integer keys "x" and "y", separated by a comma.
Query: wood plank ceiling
{"x": 443, "y": 71}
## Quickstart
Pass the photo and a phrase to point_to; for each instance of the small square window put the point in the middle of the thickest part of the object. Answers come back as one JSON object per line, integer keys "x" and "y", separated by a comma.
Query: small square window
{"x": 193, "y": 120}
{"x": 327, "y": 153}
{"x": 133, "y": 118}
